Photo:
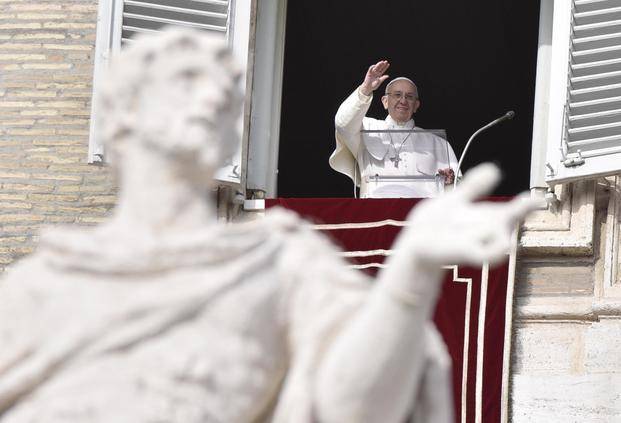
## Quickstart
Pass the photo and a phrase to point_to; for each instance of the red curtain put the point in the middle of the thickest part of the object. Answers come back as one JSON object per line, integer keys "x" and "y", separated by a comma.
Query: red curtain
{"x": 477, "y": 352}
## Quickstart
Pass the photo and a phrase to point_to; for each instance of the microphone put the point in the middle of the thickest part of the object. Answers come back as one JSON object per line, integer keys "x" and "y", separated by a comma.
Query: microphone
{"x": 507, "y": 116}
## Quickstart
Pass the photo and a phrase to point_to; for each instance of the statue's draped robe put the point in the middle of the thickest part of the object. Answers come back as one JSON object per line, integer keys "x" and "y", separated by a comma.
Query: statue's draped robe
{"x": 227, "y": 325}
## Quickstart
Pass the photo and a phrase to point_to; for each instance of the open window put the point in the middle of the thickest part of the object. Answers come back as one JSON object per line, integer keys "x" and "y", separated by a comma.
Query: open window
{"x": 119, "y": 21}
{"x": 472, "y": 61}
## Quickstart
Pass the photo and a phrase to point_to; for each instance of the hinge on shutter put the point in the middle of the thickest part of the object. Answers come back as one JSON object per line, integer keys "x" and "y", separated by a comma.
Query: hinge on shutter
{"x": 573, "y": 159}
{"x": 551, "y": 169}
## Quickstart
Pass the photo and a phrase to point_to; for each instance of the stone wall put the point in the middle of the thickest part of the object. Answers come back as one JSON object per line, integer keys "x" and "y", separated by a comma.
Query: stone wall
{"x": 46, "y": 71}
{"x": 566, "y": 358}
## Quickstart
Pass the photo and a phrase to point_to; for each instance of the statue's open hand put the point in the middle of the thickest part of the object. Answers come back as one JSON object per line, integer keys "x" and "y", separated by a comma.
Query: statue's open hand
{"x": 454, "y": 229}
{"x": 374, "y": 77}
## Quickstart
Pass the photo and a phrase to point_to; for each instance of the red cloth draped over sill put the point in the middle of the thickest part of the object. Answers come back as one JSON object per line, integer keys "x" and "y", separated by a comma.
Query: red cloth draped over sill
{"x": 459, "y": 310}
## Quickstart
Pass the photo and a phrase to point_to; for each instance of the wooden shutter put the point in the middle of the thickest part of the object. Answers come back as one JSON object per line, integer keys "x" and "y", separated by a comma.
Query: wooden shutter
{"x": 143, "y": 16}
{"x": 585, "y": 139}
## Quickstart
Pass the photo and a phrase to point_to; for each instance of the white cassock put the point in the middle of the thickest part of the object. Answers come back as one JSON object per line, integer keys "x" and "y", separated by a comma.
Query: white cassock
{"x": 387, "y": 154}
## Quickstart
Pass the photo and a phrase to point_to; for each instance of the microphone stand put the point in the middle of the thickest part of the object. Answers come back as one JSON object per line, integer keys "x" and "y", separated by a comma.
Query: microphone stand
{"x": 507, "y": 116}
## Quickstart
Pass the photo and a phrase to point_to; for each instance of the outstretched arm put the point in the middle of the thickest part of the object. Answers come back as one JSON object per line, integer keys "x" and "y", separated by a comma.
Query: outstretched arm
{"x": 372, "y": 371}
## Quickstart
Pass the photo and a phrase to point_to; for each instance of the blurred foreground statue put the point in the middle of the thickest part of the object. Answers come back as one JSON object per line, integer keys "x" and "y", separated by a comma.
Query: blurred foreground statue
{"x": 164, "y": 315}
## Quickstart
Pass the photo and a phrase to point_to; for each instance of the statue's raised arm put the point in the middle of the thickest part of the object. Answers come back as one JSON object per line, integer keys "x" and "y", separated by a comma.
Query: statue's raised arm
{"x": 388, "y": 338}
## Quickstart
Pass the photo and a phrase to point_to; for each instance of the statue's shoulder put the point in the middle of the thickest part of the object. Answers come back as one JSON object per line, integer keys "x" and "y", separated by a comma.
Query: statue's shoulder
{"x": 287, "y": 229}
{"x": 282, "y": 217}
{"x": 24, "y": 275}
{"x": 278, "y": 226}
{"x": 300, "y": 238}
{"x": 281, "y": 220}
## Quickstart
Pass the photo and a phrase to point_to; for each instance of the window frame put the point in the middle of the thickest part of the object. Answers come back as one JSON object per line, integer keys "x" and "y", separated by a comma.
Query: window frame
{"x": 108, "y": 43}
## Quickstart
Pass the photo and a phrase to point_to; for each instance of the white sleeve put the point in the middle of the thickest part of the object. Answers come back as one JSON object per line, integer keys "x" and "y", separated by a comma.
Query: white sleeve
{"x": 348, "y": 119}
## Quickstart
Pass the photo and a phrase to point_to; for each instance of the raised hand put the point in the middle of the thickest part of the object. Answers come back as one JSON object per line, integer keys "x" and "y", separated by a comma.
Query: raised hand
{"x": 454, "y": 229}
{"x": 374, "y": 77}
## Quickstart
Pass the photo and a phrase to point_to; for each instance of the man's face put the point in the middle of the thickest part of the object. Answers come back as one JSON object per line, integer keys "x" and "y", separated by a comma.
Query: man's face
{"x": 401, "y": 101}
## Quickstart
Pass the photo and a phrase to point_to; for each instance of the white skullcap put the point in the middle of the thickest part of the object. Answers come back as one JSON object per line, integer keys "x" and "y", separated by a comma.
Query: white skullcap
{"x": 402, "y": 78}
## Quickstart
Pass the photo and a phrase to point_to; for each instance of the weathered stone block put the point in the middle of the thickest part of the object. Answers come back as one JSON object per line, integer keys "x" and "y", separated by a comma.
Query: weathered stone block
{"x": 13, "y": 218}
{"x": 28, "y": 188}
{"x": 20, "y": 26}
{"x": 603, "y": 347}
{"x": 67, "y": 47}
{"x": 53, "y": 197}
{"x": 12, "y": 240}
{"x": 548, "y": 347}
{"x": 34, "y": 94}
{"x": 68, "y": 25}
{"x": 57, "y": 177}
{"x": 34, "y": 6}
{"x": 15, "y": 57}
{"x": 40, "y": 36}
{"x": 15, "y": 205}
{"x": 47, "y": 66}
{"x": 20, "y": 46}
{"x": 41, "y": 16}
{"x": 564, "y": 398}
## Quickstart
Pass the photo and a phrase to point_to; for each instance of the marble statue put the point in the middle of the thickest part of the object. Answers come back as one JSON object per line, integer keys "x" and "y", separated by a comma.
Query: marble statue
{"x": 165, "y": 315}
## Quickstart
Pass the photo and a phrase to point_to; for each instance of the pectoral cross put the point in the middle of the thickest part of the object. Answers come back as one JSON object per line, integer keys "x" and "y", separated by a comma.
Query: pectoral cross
{"x": 395, "y": 160}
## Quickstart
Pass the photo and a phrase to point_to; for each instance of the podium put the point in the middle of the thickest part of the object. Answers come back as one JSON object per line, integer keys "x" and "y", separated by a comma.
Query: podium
{"x": 417, "y": 181}
{"x": 389, "y": 186}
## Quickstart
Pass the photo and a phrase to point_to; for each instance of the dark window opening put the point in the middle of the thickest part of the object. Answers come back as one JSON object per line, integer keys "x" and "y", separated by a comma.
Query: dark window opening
{"x": 472, "y": 61}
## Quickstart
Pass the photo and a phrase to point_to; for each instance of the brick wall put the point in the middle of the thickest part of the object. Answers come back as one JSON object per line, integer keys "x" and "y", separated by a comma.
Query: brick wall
{"x": 46, "y": 68}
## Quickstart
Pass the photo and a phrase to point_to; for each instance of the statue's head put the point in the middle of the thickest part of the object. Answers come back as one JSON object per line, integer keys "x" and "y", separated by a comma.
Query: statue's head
{"x": 174, "y": 93}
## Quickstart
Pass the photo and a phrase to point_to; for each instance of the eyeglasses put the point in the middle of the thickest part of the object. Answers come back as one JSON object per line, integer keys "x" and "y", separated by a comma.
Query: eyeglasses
{"x": 398, "y": 95}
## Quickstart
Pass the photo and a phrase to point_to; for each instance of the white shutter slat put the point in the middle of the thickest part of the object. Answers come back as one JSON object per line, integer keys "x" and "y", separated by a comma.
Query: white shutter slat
{"x": 175, "y": 9}
{"x": 149, "y": 20}
{"x": 602, "y": 142}
{"x": 136, "y": 30}
{"x": 594, "y": 92}
{"x": 594, "y": 131}
{"x": 143, "y": 16}
{"x": 595, "y": 67}
{"x": 584, "y": 5}
{"x": 593, "y": 106}
{"x": 604, "y": 78}
{"x": 597, "y": 41}
{"x": 597, "y": 54}
{"x": 591, "y": 131}
{"x": 597, "y": 29}
{"x": 596, "y": 118}
{"x": 595, "y": 16}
